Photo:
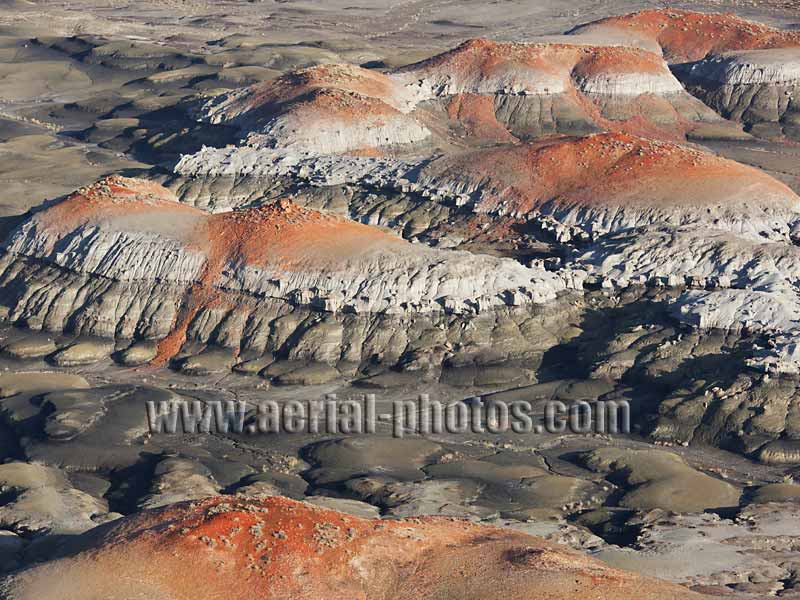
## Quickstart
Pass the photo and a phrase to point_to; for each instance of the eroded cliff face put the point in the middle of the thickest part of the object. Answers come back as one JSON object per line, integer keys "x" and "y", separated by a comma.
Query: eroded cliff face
{"x": 123, "y": 259}
{"x": 760, "y": 88}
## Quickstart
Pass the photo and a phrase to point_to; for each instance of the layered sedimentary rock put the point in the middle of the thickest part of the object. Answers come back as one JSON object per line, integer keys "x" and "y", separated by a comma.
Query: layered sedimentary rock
{"x": 735, "y": 283}
{"x": 758, "y": 87}
{"x": 603, "y": 183}
{"x": 241, "y": 547}
{"x": 745, "y": 71}
{"x": 124, "y": 259}
{"x": 561, "y": 88}
{"x": 750, "y": 67}
{"x": 610, "y": 182}
{"x": 708, "y": 255}
{"x": 492, "y": 91}
{"x": 486, "y": 67}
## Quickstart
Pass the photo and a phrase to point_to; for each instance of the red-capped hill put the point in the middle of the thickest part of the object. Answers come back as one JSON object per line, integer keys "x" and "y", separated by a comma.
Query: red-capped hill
{"x": 486, "y": 66}
{"x": 279, "y": 253}
{"x": 486, "y": 54}
{"x": 609, "y": 170}
{"x": 499, "y": 91}
{"x": 281, "y": 235}
{"x": 275, "y": 548}
{"x": 344, "y": 77}
{"x": 324, "y": 109}
{"x": 111, "y": 197}
{"x": 686, "y": 36}
{"x": 492, "y": 91}
{"x": 274, "y": 94}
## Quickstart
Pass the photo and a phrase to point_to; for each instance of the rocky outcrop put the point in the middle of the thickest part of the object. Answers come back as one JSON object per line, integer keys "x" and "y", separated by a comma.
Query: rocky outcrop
{"x": 113, "y": 259}
{"x": 760, "y": 88}
{"x": 299, "y": 550}
{"x": 605, "y": 183}
{"x": 734, "y": 283}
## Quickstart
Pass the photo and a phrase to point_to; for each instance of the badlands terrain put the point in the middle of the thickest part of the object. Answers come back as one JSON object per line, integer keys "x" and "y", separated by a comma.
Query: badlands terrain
{"x": 270, "y": 201}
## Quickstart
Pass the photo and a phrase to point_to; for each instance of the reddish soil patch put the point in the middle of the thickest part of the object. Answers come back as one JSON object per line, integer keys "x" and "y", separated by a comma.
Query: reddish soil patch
{"x": 276, "y": 548}
{"x": 340, "y": 105}
{"x": 615, "y": 59}
{"x": 612, "y": 169}
{"x": 349, "y": 78}
{"x": 113, "y": 196}
{"x": 288, "y": 237}
{"x": 476, "y": 114}
{"x": 640, "y": 122}
{"x": 345, "y": 91}
{"x": 367, "y": 151}
{"x": 281, "y": 236}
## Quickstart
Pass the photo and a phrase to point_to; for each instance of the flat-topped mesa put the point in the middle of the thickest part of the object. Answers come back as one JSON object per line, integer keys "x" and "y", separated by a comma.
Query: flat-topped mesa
{"x": 321, "y": 110}
{"x": 686, "y": 36}
{"x": 483, "y": 66}
{"x": 607, "y": 182}
{"x": 133, "y": 267}
{"x": 243, "y": 548}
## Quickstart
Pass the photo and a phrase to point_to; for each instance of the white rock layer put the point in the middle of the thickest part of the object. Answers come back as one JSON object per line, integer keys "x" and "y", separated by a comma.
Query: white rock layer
{"x": 750, "y": 67}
